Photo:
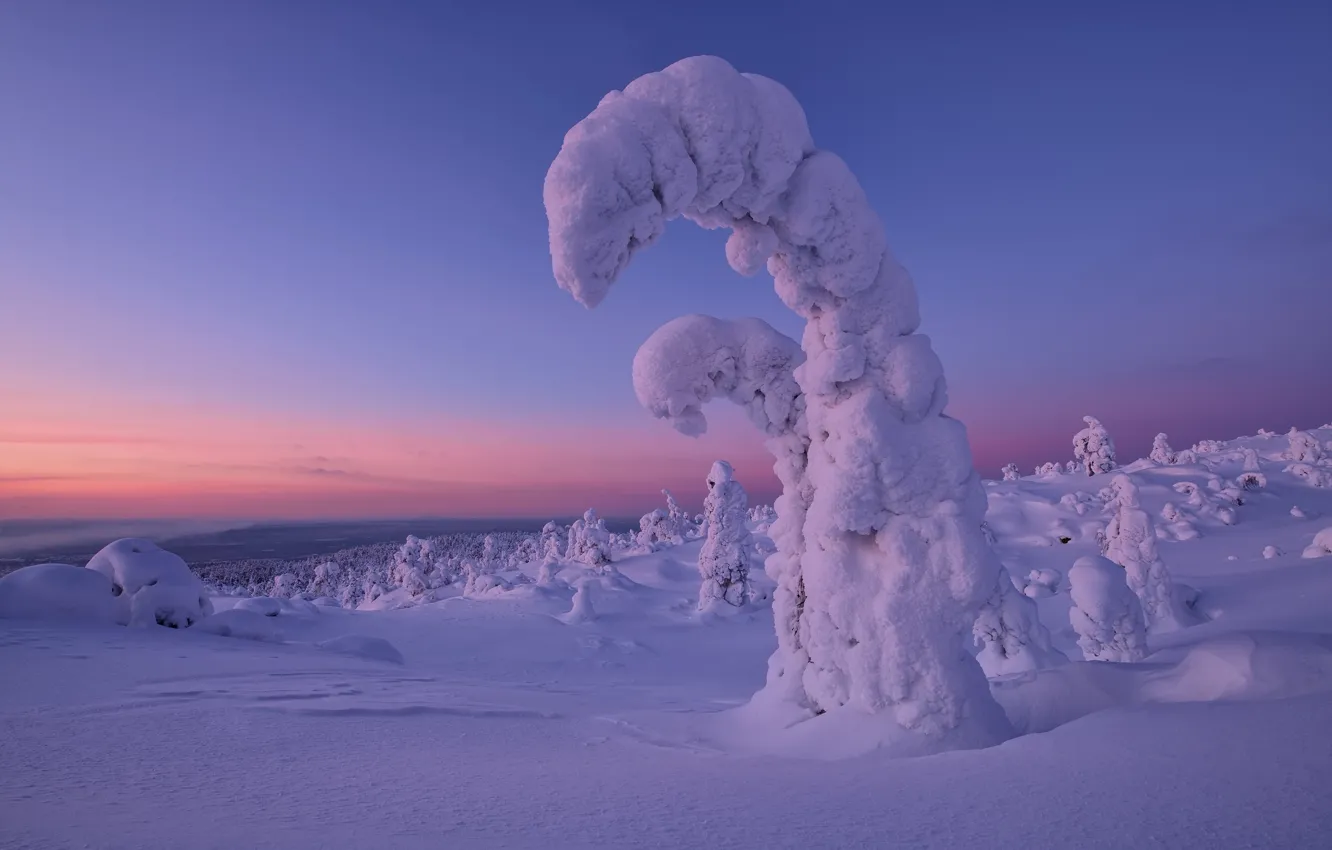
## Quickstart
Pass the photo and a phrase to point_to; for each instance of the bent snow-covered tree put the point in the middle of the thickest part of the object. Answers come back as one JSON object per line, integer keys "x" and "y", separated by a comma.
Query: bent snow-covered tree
{"x": 881, "y": 564}
{"x": 724, "y": 559}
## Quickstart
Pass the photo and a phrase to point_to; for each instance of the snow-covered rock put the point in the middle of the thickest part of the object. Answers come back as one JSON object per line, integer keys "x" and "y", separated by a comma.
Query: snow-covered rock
{"x": 62, "y": 592}
{"x": 161, "y": 588}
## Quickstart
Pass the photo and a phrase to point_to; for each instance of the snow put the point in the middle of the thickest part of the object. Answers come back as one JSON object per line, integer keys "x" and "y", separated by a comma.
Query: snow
{"x": 1321, "y": 545}
{"x": 161, "y": 588}
{"x": 601, "y": 731}
{"x": 62, "y": 592}
{"x": 880, "y": 561}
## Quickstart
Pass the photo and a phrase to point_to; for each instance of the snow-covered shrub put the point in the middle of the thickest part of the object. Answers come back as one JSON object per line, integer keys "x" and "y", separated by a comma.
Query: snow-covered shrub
{"x": 881, "y": 565}
{"x": 325, "y": 582}
{"x": 1106, "y": 614}
{"x": 1314, "y": 476}
{"x": 1077, "y": 501}
{"x": 410, "y": 567}
{"x": 1297, "y": 512}
{"x": 589, "y": 541}
{"x": 161, "y": 588}
{"x": 1010, "y": 472}
{"x": 1071, "y": 467}
{"x": 1250, "y": 459}
{"x": 1130, "y": 541}
{"x": 550, "y": 567}
{"x": 1177, "y": 525}
{"x": 62, "y": 592}
{"x": 1207, "y": 447}
{"x": 481, "y": 577}
{"x": 1161, "y": 452}
{"x": 1010, "y": 635}
{"x": 723, "y": 562}
{"x": 1042, "y": 583}
{"x": 1321, "y": 546}
{"x": 1251, "y": 481}
{"x": 1304, "y": 448}
{"x": 1185, "y": 457}
{"x": 1049, "y": 470}
{"x": 1193, "y": 495}
{"x": 1270, "y": 552}
{"x": 1093, "y": 450}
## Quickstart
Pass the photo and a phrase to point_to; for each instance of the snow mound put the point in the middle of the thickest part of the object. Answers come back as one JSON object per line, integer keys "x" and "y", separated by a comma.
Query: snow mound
{"x": 1321, "y": 546}
{"x": 361, "y": 646}
{"x": 1249, "y": 666}
{"x": 160, "y": 585}
{"x": 265, "y": 606}
{"x": 62, "y": 592}
{"x": 240, "y": 623}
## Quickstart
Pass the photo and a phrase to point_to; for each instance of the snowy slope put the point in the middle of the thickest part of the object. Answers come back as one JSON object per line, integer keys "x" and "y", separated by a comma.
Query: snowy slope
{"x": 504, "y": 726}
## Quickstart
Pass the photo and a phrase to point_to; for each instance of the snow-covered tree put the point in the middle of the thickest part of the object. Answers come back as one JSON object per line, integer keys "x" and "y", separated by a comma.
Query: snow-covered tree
{"x": 664, "y": 527}
{"x": 325, "y": 581}
{"x": 1093, "y": 450}
{"x": 589, "y": 541}
{"x": 1304, "y": 447}
{"x": 553, "y": 537}
{"x": 1130, "y": 541}
{"x": 1010, "y": 635}
{"x": 683, "y": 525}
{"x": 1049, "y": 470}
{"x": 723, "y": 562}
{"x": 1106, "y": 614}
{"x": 1010, "y": 472}
{"x": 409, "y": 567}
{"x": 881, "y": 565}
{"x": 1161, "y": 452}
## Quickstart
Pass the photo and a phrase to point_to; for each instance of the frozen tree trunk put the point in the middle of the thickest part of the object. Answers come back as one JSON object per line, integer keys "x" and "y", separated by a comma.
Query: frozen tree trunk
{"x": 881, "y": 564}
{"x": 723, "y": 561}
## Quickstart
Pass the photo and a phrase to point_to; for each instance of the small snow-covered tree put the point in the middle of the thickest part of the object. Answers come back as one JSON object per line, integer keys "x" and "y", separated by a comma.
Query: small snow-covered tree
{"x": 1161, "y": 452}
{"x": 1049, "y": 470}
{"x": 409, "y": 567}
{"x": 1093, "y": 450}
{"x": 1010, "y": 635}
{"x": 325, "y": 581}
{"x": 723, "y": 561}
{"x": 553, "y": 538}
{"x": 1106, "y": 614}
{"x": 1130, "y": 541}
{"x": 1010, "y": 472}
{"x": 881, "y": 564}
{"x": 683, "y": 526}
{"x": 589, "y": 541}
{"x": 1304, "y": 447}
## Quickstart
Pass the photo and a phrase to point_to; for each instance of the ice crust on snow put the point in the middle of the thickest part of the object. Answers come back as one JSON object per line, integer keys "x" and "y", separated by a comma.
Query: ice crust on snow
{"x": 880, "y": 562}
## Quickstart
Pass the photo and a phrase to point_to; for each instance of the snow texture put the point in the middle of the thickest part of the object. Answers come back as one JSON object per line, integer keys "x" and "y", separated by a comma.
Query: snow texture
{"x": 880, "y": 565}
{"x": 1093, "y": 450}
{"x": 1106, "y": 614}
{"x": 62, "y": 592}
{"x": 723, "y": 562}
{"x": 161, "y": 588}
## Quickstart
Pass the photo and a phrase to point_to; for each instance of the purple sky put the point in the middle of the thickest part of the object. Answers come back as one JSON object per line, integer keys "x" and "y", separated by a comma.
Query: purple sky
{"x": 326, "y": 217}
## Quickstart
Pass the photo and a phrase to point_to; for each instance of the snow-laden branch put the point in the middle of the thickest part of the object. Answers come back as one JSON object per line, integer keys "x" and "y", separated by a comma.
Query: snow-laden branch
{"x": 691, "y": 360}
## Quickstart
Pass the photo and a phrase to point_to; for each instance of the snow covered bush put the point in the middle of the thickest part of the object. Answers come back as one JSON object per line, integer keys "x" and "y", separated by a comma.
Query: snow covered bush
{"x": 1270, "y": 552}
{"x": 410, "y": 567}
{"x": 1304, "y": 448}
{"x": 1093, "y": 450}
{"x": 664, "y": 527}
{"x": 1010, "y": 472}
{"x": 62, "y": 592}
{"x": 325, "y": 581}
{"x": 1130, "y": 541}
{"x": 161, "y": 588}
{"x": 1049, "y": 470}
{"x": 1042, "y": 583}
{"x": 1312, "y": 475}
{"x": 1010, "y": 635}
{"x": 1161, "y": 452}
{"x": 581, "y": 610}
{"x": 1321, "y": 546}
{"x": 1207, "y": 447}
{"x": 723, "y": 562}
{"x": 881, "y": 565}
{"x": 589, "y": 541}
{"x": 1106, "y": 614}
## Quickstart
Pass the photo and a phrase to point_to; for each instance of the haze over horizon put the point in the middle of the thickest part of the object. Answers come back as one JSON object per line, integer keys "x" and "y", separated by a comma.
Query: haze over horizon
{"x": 290, "y": 260}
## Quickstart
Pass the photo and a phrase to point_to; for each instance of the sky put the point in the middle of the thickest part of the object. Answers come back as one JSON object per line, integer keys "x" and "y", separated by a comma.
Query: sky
{"x": 289, "y": 260}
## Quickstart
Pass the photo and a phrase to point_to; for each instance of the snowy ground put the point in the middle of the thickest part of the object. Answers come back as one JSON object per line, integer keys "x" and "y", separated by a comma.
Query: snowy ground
{"x": 505, "y": 726}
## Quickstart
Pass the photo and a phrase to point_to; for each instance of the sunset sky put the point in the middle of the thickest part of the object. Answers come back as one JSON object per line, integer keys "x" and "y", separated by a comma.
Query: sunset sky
{"x": 288, "y": 259}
